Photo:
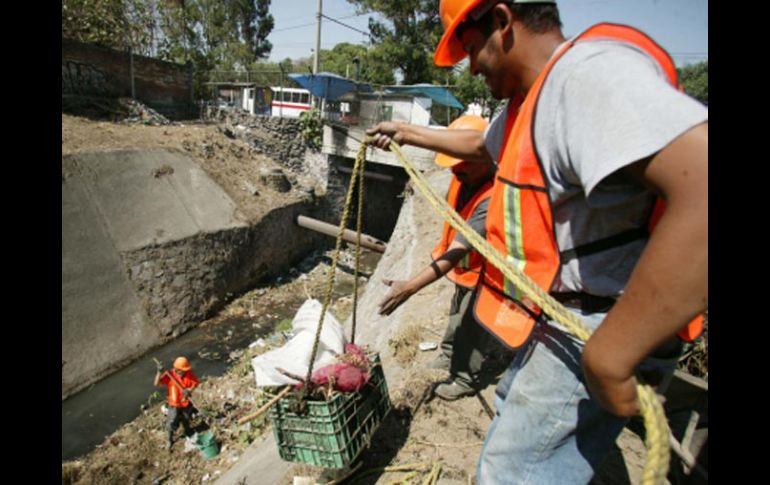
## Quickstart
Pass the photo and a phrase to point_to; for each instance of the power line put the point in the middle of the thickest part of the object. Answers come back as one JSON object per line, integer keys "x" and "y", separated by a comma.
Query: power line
{"x": 354, "y": 15}
{"x": 293, "y": 27}
{"x": 313, "y": 23}
{"x": 344, "y": 24}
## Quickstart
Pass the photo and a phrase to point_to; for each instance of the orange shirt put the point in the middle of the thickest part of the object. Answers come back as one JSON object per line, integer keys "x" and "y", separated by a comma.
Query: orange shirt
{"x": 175, "y": 398}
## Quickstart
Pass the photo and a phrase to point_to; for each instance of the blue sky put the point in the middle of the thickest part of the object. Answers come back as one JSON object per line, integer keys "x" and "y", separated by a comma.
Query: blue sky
{"x": 680, "y": 26}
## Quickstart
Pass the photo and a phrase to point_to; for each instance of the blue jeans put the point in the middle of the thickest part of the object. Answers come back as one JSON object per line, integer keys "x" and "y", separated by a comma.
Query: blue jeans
{"x": 547, "y": 429}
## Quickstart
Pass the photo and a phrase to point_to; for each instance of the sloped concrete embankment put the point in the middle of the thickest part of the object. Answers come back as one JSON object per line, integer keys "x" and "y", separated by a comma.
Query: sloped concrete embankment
{"x": 150, "y": 247}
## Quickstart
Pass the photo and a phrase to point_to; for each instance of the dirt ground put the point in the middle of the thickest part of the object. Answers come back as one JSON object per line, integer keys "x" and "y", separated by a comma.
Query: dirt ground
{"x": 233, "y": 164}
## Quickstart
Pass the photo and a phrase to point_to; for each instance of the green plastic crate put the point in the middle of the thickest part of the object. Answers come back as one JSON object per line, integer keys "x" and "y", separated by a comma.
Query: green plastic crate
{"x": 333, "y": 433}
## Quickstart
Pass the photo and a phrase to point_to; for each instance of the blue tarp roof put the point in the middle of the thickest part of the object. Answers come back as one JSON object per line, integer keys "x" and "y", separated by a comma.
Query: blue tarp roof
{"x": 438, "y": 94}
{"x": 328, "y": 85}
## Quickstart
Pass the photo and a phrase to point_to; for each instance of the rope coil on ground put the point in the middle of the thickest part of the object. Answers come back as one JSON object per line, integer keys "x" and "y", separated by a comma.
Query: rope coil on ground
{"x": 656, "y": 465}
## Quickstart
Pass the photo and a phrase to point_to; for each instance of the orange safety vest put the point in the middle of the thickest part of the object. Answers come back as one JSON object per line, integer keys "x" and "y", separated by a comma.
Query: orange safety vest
{"x": 466, "y": 272}
{"x": 520, "y": 217}
{"x": 175, "y": 396}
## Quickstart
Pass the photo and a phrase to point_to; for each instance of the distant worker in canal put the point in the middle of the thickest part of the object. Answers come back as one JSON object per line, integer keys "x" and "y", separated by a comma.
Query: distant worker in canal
{"x": 180, "y": 381}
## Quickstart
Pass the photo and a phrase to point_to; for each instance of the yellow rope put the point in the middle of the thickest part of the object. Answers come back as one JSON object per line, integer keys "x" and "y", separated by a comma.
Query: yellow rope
{"x": 656, "y": 466}
{"x": 359, "y": 218}
{"x": 357, "y": 174}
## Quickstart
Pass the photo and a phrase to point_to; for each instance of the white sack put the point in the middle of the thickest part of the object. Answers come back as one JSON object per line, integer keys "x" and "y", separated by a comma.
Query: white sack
{"x": 294, "y": 356}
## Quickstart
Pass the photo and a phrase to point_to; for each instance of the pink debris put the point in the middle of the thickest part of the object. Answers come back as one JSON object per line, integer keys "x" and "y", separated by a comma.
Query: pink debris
{"x": 355, "y": 350}
{"x": 350, "y": 374}
{"x": 347, "y": 377}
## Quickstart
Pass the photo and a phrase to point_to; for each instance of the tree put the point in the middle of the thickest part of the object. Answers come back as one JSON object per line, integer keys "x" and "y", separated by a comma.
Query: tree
{"x": 249, "y": 23}
{"x": 472, "y": 89}
{"x": 208, "y": 34}
{"x": 118, "y": 24}
{"x": 230, "y": 34}
{"x": 410, "y": 39}
{"x": 695, "y": 81}
{"x": 342, "y": 60}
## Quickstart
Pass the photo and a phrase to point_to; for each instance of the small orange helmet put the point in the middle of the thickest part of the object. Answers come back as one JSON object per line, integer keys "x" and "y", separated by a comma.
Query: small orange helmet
{"x": 466, "y": 122}
{"x": 182, "y": 363}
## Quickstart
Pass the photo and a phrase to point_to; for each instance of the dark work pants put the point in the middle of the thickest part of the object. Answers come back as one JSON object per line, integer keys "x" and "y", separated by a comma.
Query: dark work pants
{"x": 175, "y": 417}
{"x": 466, "y": 343}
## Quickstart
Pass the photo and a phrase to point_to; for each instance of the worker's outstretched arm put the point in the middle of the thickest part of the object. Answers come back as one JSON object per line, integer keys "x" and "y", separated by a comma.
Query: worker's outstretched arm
{"x": 401, "y": 291}
{"x": 463, "y": 144}
{"x": 669, "y": 285}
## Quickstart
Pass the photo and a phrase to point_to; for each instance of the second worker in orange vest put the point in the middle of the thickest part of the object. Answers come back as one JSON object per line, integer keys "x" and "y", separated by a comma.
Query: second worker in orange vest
{"x": 465, "y": 344}
{"x": 180, "y": 382}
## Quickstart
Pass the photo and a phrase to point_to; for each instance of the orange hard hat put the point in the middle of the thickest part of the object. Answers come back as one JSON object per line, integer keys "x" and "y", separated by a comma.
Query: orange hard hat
{"x": 454, "y": 12}
{"x": 465, "y": 122}
{"x": 182, "y": 363}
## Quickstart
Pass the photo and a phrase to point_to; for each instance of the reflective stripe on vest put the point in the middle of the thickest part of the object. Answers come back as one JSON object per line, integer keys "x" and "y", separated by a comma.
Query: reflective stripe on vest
{"x": 466, "y": 272}
{"x": 520, "y": 216}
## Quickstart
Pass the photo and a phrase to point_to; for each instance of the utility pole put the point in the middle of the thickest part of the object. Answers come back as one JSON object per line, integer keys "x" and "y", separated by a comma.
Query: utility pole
{"x": 316, "y": 57}
{"x": 317, "y": 39}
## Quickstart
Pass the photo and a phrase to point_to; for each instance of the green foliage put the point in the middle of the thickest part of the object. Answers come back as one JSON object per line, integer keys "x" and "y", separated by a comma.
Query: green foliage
{"x": 208, "y": 34}
{"x": 408, "y": 38}
{"x": 118, "y": 24}
{"x": 472, "y": 89}
{"x": 247, "y": 435}
{"x": 310, "y": 121}
{"x": 695, "y": 81}
{"x": 152, "y": 399}
{"x": 285, "y": 324}
{"x": 371, "y": 67}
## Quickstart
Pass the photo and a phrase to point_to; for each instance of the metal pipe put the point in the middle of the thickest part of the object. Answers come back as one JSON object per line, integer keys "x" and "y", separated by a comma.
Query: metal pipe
{"x": 367, "y": 241}
{"x": 371, "y": 175}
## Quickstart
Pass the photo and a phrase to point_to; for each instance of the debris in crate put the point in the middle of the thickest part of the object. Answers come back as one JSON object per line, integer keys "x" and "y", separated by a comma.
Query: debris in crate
{"x": 331, "y": 433}
{"x": 350, "y": 373}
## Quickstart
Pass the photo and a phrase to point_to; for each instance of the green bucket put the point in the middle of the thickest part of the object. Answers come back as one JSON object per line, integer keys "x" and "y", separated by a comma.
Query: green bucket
{"x": 208, "y": 445}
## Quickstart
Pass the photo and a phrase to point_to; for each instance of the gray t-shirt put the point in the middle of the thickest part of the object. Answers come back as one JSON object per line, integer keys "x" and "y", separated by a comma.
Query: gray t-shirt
{"x": 604, "y": 106}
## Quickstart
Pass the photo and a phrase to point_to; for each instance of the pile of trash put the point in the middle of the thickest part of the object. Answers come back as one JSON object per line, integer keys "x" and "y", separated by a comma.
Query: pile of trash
{"x": 140, "y": 113}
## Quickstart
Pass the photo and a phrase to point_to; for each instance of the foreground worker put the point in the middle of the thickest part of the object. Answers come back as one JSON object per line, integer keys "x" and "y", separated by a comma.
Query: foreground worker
{"x": 595, "y": 129}
{"x": 465, "y": 343}
{"x": 180, "y": 381}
